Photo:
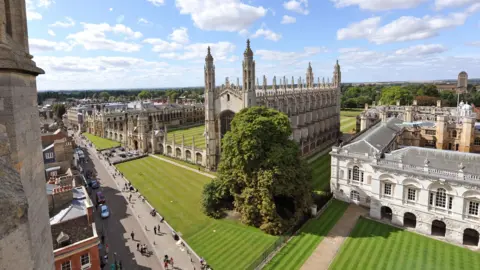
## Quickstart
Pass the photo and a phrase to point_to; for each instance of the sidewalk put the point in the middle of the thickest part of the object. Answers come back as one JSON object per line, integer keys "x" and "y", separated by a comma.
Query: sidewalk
{"x": 183, "y": 166}
{"x": 326, "y": 251}
{"x": 163, "y": 243}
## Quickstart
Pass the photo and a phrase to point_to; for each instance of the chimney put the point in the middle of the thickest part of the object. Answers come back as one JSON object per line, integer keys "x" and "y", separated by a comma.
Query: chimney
{"x": 439, "y": 103}
{"x": 60, "y": 197}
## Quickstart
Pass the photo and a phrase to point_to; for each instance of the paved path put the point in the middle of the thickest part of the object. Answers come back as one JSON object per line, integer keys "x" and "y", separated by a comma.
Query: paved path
{"x": 325, "y": 252}
{"x": 162, "y": 243}
{"x": 183, "y": 166}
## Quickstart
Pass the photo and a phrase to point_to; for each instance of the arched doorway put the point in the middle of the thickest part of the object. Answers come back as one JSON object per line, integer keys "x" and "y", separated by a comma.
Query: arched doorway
{"x": 188, "y": 155}
{"x": 160, "y": 148}
{"x": 225, "y": 121}
{"x": 386, "y": 213}
{"x": 178, "y": 153}
{"x": 409, "y": 220}
{"x": 169, "y": 150}
{"x": 439, "y": 228}
{"x": 470, "y": 237}
{"x": 199, "y": 158}
{"x": 135, "y": 144}
{"x": 149, "y": 145}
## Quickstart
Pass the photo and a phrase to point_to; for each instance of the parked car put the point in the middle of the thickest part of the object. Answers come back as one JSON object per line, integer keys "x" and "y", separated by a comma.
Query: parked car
{"x": 112, "y": 151}
{"x": 122, "y": 155}
{"x": 122, "y": 149}
{"x": 104, "y": 211}
{"x": 94, "y": 184}
{"x": 129, "y": 154}
{"x": 100, "y": 198}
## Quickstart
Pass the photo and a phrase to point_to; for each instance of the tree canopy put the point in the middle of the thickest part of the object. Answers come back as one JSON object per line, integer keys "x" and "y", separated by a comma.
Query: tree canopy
{"x": 391, "y": 94}
{"x": 261, "y": 172}
{"x": 59, "y": 110}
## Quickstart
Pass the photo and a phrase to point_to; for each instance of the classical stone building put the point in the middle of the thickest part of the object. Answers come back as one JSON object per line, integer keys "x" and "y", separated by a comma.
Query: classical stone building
{"x": 141, "y": 125}
{"x": 430, "y": 189}
{"x": 25, "y": 238}
{"x": 447, "y": 128}
{"x": 462, "y": 82}
{"x": 313, "y": 109}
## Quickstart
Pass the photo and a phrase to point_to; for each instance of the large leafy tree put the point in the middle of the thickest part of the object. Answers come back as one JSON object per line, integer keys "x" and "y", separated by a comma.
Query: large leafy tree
{"x": 59, "y": 110}
{"x": 391, "y": 94}
{"x": 262, "y": 170}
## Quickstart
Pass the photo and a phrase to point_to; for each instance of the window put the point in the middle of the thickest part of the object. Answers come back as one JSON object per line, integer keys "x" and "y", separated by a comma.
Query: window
{"x": 473, "y": 208}
{"x": 49, "y": 155}
{"x": 85, "y": 260}
{"x": 349, "y": 173}
{"x": 354, "y": 195}
{"x": 356, "y": 175}
{"x": 430, "y": 132}
{"x": 411, "y": 194}
{"x": 387, "y": 189}
{"x": 477, "y": 141}
{"x": 450, "y": 202}
{"x": 67, "y": 266}
{"x": 441, "y": 198}
{"x": 454, "y": 134}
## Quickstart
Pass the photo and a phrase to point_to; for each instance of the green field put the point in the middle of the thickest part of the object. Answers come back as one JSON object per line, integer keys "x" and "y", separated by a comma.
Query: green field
{"x": 296, "y": 252}
{"x": 101, "y": 143}
{"x": 176, "y": 193}
{"x": 321, "y": 173}
{"x": 373, "y": 245}
{"x": 188, "y": 164}
{"x": 189, "y": 133}
{"x": 348, "y": 120}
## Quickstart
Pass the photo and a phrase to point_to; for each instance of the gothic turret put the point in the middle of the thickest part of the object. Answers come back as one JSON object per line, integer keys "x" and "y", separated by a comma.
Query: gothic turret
{"x": 248, "y": 77}
{"x": 337, "y": 76}
{"x": 309, "y": 76}
{"x": 210, "y": 135}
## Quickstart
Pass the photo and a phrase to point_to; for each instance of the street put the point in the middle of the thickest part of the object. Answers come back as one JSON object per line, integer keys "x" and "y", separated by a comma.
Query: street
{"x": 117, "y": 228}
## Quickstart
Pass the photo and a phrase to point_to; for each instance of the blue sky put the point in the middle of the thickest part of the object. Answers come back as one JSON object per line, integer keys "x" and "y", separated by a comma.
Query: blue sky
{"x": 110, "y": 44}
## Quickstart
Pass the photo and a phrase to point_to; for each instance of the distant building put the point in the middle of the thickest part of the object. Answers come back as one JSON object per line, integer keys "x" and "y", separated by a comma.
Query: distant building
{"x": 49, "y": 101}
{"x": 75, "y": 239}
{"x": 462, "y": 82}
{"x": 58, "y": 151}
{"x": 76, "y": 116}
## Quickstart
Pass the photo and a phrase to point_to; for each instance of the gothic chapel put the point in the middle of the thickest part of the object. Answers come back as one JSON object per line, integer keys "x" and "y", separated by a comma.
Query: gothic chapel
{"x": 313, "y": 109}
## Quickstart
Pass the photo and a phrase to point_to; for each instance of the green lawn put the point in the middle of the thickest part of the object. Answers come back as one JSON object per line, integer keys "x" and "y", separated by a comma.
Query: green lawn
{"x": 101, "y": 143}
{"x": 296, "y": 252}
{"x": 321, "y": 173}
{"x": 176, "y": 194}
{"x": 373, "y": 245}
{"x": 188, "y": 164}
{"x": 188, "y": 133}
{"x": 348, "y": 120}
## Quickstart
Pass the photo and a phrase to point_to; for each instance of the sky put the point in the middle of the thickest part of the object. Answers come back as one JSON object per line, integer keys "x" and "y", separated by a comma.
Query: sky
{"x": 115, "y": 44}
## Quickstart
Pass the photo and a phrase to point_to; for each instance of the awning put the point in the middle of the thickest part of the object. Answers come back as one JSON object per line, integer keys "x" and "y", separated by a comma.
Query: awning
{"x": 56, "y": 168}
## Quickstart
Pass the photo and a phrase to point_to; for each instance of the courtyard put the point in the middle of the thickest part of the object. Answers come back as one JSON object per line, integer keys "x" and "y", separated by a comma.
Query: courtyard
{"x": 176, "y": 193}
{"x": 188, "y": 134}
{"x": 375, "y": 245}
{"x": 301, "y": 246}
{"x": 101, "y": 143}
{"x": 348, "y": 120}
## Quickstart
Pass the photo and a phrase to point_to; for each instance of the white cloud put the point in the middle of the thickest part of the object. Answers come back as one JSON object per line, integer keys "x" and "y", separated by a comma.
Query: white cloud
{"x": 441, "y": 4}
{"x": 405, "y": 28}
{"x": 157, "y": 3}
{"x": 42, "y": 45}
{"x": 379, "y": 5}
{"x": 32, "y": 14}
{"x": 45, "y": 3}
{"x": 267, "y": 34}
{"x": 288, "y": 19}
{"x": 93, "y": 37}
{"x": 143, "y": 21}
{"x": 243, "y": 33}
{"x": 160, "y": 45}
{"x": 269, "y": 55}
{"x": 220, "y": 51}
{"x": 179, "y": 35}
{"x": 221, "y": 15}
{"x": 69, "y": 22}
{"x": 120, "y": 18}
{"x": 51, "y": 33}
{"x": 299, "y": 6}
{"x": 474, "y": 43}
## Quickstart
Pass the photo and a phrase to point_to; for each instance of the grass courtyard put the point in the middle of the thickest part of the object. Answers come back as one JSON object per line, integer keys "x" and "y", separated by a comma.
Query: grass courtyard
{"x": 321, "y": 173}
{"x": 348, "y": 120}
{"x": 101, "y": 143}
{"x": 301, "y": 246}
{"x": 373, "y": 245}
{"x": 189, "y": 133}
{"x": 176, "y": 194}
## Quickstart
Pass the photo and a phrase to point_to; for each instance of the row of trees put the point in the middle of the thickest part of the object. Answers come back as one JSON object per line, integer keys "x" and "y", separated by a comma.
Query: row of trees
{"x": 124, "y": 95}
{"x": 425, "y": 94}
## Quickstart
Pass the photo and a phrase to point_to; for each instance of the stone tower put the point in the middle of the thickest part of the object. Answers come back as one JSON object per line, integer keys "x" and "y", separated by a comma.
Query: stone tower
{"x": 309, "y": 76}
{"x": 210, "y": 132}
{"x": 337, "y": 76}
{"x": 249, "y": 97}
{"x": 462, "y": 82}
{"x": 25, "y": 235}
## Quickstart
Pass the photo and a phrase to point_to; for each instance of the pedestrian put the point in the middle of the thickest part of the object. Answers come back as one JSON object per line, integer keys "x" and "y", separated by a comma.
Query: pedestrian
{"x": 146, "y": 228}
{"x": 171, "y": 262}
{"x": 125, "y": 186}
{"x": 158, "y": 228}
{"x": 138, "y": 246}
{"x": 155, "y": 230}
{"x": 165, "y": 264}
{"x": 133, "y": 236}
{"x": 130, "y": 198}
{"x": 103, "y": 238}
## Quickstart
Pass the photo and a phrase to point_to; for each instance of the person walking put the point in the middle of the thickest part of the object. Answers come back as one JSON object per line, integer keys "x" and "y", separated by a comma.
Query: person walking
{"x": 133, "y": 236}
{"x": 171, "y": 262}
{"x": 158, "y": 228}
{"x": 138, "y": 246}
{"x": 130, "y": 198}
{"x": 155, "y": 230}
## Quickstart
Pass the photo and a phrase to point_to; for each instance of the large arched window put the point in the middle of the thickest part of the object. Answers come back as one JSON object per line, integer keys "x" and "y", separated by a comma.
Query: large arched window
{"x": 355, "y": 195}
{"x": 356, "y": 174}
{"x": 454, "y": 134}
{"x": 441, "y": 198}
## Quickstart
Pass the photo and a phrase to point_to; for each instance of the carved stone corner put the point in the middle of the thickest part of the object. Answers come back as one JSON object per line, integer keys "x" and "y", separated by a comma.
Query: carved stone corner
{"x": 13, "y": 59}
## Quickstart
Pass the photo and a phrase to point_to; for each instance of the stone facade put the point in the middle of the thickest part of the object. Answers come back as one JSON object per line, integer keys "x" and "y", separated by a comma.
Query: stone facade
{"x": 25, "y": 239}
{"x": 313, "y": 109}
{"x": 432, "y": 191}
